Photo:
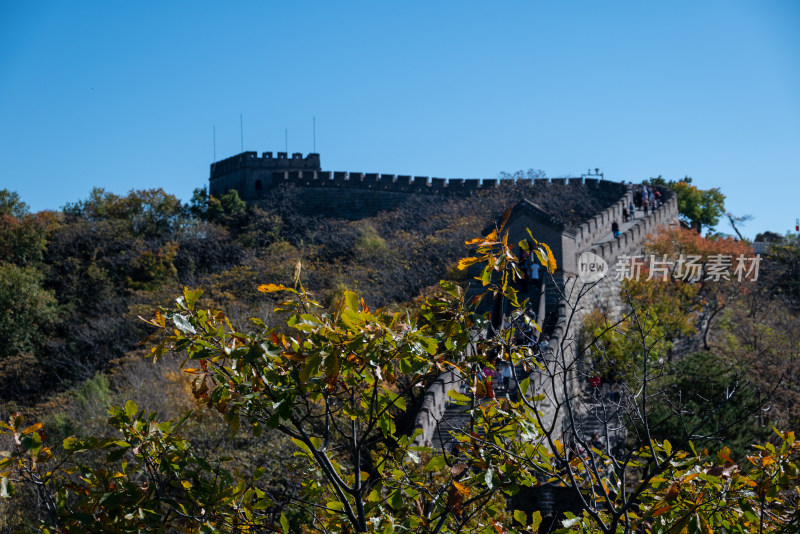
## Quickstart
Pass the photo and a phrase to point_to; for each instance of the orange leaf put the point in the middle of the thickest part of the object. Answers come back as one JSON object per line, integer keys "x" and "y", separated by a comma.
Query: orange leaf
{"x": 33, "y": 428}
{"x": 661, "y": 510}
{"x": 462, "y": 489}
{"x": 272, "y": 288}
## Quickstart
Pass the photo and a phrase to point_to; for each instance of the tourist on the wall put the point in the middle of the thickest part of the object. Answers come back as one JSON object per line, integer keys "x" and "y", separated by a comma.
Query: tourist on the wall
{"x": 625, "y": 214}
{"x": 615, "y": 228}
{"x": 535, "y": 274}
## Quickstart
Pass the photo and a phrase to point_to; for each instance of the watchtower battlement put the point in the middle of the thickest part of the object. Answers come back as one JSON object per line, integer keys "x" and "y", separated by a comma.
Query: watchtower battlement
{"x": 251, "y": 175}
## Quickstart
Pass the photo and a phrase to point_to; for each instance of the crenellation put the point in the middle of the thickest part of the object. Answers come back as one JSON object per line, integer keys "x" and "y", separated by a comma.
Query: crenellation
{"x": 421, "y": 181}
{"x": 558, "y": 181}
{"x": 489, "y": 183}
{"x": 576, "y": 181}
{"x": 541, "y": 181}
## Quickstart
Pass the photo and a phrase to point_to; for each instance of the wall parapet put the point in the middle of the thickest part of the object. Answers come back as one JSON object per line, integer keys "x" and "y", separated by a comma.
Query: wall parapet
{"x": 254, "y": 175}
{"x": 434, "y": 405}
{"x": 405, "y": 183}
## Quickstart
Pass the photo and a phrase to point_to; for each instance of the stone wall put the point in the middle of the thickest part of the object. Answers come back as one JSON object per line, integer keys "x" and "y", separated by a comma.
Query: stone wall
{"x": 352, "y": 195}
{"x": 578, "y": 299}
{"x": 569, "y": 299}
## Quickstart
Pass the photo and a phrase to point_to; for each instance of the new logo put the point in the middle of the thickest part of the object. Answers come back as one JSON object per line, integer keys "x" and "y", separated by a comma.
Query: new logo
{"x": 591, "y": 267}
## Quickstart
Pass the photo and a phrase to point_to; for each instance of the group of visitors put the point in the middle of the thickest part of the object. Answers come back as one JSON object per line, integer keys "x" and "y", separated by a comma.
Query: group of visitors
{"x": 612, "y": 383}
{"x": 645, "y": 198}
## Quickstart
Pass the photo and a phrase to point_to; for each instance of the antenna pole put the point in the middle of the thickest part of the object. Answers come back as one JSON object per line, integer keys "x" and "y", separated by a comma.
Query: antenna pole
{"x": 241, "y": 130}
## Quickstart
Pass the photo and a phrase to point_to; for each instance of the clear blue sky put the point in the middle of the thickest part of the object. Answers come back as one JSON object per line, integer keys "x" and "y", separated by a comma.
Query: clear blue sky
{"x": 124, "y": 95}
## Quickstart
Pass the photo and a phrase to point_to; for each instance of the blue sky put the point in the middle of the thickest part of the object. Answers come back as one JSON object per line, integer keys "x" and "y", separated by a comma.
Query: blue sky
{"x": 125, "y": 95}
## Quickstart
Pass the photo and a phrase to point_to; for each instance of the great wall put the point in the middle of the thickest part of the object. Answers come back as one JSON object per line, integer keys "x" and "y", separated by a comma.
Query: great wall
{"x": 566, "y": 301}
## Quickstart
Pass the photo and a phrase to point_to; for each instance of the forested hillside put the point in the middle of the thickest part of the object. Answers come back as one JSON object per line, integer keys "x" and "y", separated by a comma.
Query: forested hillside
{"x": 364, "y": 327}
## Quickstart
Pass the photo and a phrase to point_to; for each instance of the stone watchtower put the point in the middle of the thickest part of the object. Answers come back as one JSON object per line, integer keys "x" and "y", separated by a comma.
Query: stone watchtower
{"x": 251, "y": 175}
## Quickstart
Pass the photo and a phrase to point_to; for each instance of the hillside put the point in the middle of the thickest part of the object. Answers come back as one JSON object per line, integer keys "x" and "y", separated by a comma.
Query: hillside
{"x": 79, "y": 282}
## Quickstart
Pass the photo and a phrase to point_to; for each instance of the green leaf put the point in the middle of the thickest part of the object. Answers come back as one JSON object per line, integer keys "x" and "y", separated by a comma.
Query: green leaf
{"x": 436, "y": 463}
{"x": 524, "y": 385}
{"x": 395, "y": 500}
{"x": 456, "y": 396}
{"x": 536, "y": 520}
{"x": 521, "y": 517}
{"x": 486, "y": 275}
{"x": 284, "y": 524}
{"x": 335, "y": 505}
{"x": 190, "y": 297}
{"x": 351, "y": 300}
{"x": 32, "y": 442}
{"x": 130, "y": 409}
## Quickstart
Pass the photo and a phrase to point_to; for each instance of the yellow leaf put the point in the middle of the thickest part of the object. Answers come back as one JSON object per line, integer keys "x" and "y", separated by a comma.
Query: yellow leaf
{"x": 551, "y": 260}
{"x": 271, "y": 288}
{"x": 474, "y": 241}
{"x": 466, "y": 262}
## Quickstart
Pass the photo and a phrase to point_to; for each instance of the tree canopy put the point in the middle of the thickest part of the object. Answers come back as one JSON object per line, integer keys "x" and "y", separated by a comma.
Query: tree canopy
{"x": 337, "y": 383}
{"x": 697, "y": 206}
